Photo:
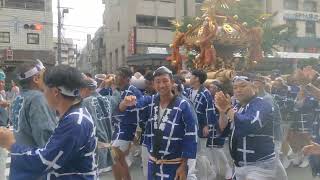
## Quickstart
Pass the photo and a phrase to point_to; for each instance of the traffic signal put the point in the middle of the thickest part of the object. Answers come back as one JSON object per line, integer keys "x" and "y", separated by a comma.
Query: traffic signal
{"x": 37, "y": 27}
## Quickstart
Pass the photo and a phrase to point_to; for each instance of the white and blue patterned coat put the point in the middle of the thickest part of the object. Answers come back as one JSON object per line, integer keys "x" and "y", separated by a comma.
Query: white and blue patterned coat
{"x": 125, "y": 123}
{"x": 251, "y": 133}
{"x": 178, "y": 126}
{"x": 68, "y": 155}
{"x": 203, "y": 106}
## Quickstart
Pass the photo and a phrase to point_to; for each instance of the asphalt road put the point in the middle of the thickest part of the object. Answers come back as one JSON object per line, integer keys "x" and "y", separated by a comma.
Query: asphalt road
{"x": 294, "y": 173}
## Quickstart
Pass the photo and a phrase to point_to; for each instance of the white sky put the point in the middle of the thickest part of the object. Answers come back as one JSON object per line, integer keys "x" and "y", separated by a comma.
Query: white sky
{"x": 84, "y": 13}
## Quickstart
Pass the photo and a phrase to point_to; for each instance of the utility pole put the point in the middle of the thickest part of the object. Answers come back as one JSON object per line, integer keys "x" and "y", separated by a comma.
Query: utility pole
{"x": 59, "y": 33}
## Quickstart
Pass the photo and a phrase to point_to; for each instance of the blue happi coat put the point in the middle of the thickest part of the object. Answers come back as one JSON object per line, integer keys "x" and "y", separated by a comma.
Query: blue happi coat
{"x": 251, "y": 133}
{"x": 179, "y": 134}
{"x": 203, "y": 106}
{"x": 125, "y": 123}
{"x": 215, "y": 140}
{"x": 303, "y": 116}
{"x": 68, "y": 155}
{"x": 105, "y": 91}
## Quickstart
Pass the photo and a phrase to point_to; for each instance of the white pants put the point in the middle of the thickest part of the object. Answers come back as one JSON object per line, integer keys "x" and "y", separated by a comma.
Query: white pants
{"x": 205, "y": 170}
{"x": 281, "y": 173}
{"x": 121, "y": 144}
{"x": 220, "y": 161}
{"x": 192, "y": 169}
{"x": 144, "y": 158}
{"x": 3, "y": 159}
{"x": 259, "y": 171}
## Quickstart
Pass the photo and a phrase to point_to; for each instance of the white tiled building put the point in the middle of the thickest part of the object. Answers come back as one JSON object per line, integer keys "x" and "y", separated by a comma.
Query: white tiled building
{"x": 26, "y": 27}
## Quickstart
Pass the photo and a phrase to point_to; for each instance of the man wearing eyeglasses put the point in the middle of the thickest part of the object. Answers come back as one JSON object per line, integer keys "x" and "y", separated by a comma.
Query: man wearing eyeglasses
{"x": 250, "y": 127}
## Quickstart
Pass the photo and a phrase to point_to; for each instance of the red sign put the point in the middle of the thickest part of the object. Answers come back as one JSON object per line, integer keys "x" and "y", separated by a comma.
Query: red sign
{"x": 132, "y": 40}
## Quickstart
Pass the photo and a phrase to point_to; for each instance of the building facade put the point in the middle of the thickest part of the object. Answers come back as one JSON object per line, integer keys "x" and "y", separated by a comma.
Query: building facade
{"x": 138, "y": 32}
{"x": 26, "y": 31}
{"x": 98, "y": 51}
{"x": 93, "y": 54}
{"x": 304, "y": 15}
{"x": 68, "y": 51}
{"x": 84, "y": 60}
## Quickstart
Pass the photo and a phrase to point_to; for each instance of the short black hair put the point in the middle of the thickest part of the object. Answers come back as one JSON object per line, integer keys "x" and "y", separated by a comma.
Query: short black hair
{"x": 20, "y": 72}
{"x": 141, "y": 70}
{"x": 125, "y": 72}
{"x": 149, "y": 76}
{"x": 182, "y": 78}
{"x": 162, "y": 71}
{"x": 88, "y": 74}
{"x": 65, "y": 76}
{"x": 202, "y": 75}
{"x": 179, "y": 83}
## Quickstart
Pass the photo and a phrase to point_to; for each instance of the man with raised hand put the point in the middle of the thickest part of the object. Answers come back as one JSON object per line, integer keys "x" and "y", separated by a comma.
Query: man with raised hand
{"x": 250, "y": 127}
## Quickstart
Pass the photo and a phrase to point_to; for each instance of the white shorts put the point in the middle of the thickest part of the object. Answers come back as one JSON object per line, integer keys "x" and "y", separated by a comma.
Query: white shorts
{"x": 121, "y": 144}
{"x": 261, "y": 171}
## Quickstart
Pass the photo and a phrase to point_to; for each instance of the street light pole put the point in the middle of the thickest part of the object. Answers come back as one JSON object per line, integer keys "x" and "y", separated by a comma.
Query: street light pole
{"x": 59, "y": 34}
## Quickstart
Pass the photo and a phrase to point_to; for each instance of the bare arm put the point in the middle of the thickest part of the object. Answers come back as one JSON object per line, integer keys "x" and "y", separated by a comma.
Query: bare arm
{"x": 223, "y": 121}
{"x": 313, "y": 90}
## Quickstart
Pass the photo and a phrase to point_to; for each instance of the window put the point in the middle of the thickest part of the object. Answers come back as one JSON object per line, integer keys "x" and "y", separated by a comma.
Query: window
{"x": 164, "y": 22}
{"x": 116, "y": 54}
{"x": 170, "y": 1}
{"x": 199, "y": 1}
{"x": 291, "y": 23}
{"x": 118, "y": 26}
{"x": 100, "y": 43}
{"x": 145, "y": 20}
{"x": 33, "y": 38}
{"x": 310, "y": 6}
{"x": 290, "y": 4}
{"x": 110, "y": 59}
{"x": 123, "y": 54}
{"x": 4, "y": 37}
{"x": 25, "y": 4}
{"x": 310, "y": 28}
{"x": 310, "y": 50}
{"x": 292, "y": 26}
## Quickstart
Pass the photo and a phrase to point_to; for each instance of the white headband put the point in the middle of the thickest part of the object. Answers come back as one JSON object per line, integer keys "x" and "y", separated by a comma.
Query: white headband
{"x": 66, "y": 92}
{"x": 35, "y": 70}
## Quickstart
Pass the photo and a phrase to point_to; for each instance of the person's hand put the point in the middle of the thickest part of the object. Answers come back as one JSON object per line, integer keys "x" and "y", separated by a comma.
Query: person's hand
{"x": 129, "y": 101}
{"x": 312, "y": 149}
{"x": 309, "y": 72}
{"x": 4, "y": 104}
{"x": 6, "y": 138}
{"x": 205, "y": 131}
{"x": 181, "y": 173}
{"x": 222, "y": 102}
{"x": 301, "y": 78}
{"x": 108, "y": 81}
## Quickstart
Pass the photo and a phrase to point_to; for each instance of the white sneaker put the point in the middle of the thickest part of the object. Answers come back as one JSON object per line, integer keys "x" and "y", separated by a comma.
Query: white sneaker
{"x": 229, "y": 173}
{"x": 305, "y": 163}
{"x": 286, "y": 162}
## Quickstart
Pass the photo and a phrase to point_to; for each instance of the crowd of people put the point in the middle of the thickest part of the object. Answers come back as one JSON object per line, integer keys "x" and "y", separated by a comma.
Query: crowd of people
{"x": 61, "y": 123}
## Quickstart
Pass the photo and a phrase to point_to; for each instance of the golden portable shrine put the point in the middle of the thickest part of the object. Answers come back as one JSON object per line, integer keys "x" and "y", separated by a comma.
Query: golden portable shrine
{"x": 214, "y": 39}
